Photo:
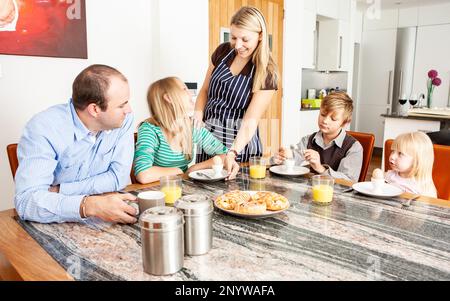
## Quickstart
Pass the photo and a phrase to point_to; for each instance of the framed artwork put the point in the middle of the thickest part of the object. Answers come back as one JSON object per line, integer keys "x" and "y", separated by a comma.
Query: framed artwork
{"x": 51, "y": 28}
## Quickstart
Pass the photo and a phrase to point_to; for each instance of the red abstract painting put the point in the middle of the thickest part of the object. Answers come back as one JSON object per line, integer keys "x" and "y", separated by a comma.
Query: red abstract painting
{"x": 53, "y": 28}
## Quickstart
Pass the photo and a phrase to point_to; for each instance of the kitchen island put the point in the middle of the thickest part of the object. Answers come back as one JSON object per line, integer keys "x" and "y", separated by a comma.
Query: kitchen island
{"x": 354, "y": 238}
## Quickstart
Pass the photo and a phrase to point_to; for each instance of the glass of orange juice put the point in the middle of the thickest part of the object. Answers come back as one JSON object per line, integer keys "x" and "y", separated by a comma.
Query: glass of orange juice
{"x": 322, "y": 189}
{"x": 257, "y": 168}
{"x": 171, "y": 187}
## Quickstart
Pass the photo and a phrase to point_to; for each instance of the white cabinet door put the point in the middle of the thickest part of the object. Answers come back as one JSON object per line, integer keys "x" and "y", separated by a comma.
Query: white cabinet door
{"x": 370, "y": 121}
{"x": 310, "y": 5}
{"x": 344, "y": 10}
{"x": 377, "y": 67}
{"x": 309, "y": 40}
{"x": 432, "y": 52}
{"x": 408, "y": 17}
{"x": 334, "y": 46}
{"x": 328, "y": 8}
{"x": 434, "y": 14}
{"x": 380, "y": 19}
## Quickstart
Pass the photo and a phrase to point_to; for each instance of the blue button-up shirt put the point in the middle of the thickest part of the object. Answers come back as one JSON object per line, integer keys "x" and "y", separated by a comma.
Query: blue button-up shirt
{"x": 57, "y": 149}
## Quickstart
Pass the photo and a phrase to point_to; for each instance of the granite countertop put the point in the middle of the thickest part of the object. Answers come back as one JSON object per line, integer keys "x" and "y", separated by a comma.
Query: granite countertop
{"x": 354, "y": 238}
{"x": 435, "y": 118}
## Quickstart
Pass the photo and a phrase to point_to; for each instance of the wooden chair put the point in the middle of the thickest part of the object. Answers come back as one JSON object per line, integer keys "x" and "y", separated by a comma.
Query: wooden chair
{"x": 11, "y": 149}
{"x": 367, "y": 141}
{"x": 441, "y": 167}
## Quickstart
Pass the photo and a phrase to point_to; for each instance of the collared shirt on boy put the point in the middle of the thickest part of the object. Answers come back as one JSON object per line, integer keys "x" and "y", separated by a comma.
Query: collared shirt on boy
{"x": 57, "y": 149}
{"x": 349, "y": 167}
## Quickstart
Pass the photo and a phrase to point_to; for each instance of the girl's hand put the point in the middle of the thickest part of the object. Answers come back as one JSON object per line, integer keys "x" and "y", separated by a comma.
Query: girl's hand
{"x": 231, "y": 166}
{"x": 283, "y": 154}
{"x": 313, "y": 159}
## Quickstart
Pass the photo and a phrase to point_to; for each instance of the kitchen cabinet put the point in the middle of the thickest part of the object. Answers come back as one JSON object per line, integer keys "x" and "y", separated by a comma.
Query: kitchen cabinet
{"x": 333, "y": 46}
{"x": 308, "y": 123}
{"x": 344, "y": 10}
{"x": 309, "y": 38}
{"x": 328, "y": 8}
{"x": 408, "y": 17}
{"x": 310, "y": 5}
{"x": 434, "y": 14}
{"x": 432, "y": 52}
{"x": 379, "y": 20}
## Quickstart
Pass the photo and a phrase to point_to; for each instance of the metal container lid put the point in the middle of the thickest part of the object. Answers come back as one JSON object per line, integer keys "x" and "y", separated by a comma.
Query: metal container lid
{"x": 161, "y": 219}
{"x": 194, "y": 205}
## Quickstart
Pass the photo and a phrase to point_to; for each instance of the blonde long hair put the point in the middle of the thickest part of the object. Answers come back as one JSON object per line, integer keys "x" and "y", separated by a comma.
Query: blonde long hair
{"x": 251, "y": 19}
{"x": 419, "y": 146}
{"x": 166, "y": 106}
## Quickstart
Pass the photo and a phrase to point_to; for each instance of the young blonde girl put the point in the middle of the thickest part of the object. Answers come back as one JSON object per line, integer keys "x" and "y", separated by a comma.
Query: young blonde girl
{"x": 166, "y": 140}
{"x": 411, "y": 162}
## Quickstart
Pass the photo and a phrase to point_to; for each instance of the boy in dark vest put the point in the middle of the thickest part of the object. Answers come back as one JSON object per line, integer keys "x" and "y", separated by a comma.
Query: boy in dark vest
{"x": 330, "y": 151}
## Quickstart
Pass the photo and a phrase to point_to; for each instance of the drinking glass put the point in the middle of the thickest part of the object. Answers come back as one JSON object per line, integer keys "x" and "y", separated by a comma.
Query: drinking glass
{"x": 257, "y": 168}
{"x": 322, "y": 189}
{"x": 171, "y": 187}
{"x": 413, "y": 100}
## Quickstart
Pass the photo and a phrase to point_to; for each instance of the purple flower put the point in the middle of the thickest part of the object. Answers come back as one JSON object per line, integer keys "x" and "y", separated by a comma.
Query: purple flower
{"x": 437, "y": 82}
{"x": 432, "y": 74}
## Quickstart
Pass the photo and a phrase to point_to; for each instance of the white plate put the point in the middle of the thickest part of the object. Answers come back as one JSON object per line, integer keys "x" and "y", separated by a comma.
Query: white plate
{"x": 268, "y": 213}
{"x": 197, "y": 175}
{"x": 296, "y": 170}
{"x": 388, "y": 191}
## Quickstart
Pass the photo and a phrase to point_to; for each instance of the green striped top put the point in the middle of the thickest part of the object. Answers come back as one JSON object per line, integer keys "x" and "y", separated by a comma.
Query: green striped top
{"x": 152, "y": 148}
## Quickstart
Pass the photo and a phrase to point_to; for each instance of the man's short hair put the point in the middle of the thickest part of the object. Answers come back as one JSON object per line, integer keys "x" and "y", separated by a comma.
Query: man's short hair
{"x": 91, "y": 85}
{"x": 338, "y": 100}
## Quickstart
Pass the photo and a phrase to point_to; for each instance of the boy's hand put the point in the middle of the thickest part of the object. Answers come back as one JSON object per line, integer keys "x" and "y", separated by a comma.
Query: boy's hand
{"x": 283, "y": 154}
{"x": 313, "y": 159}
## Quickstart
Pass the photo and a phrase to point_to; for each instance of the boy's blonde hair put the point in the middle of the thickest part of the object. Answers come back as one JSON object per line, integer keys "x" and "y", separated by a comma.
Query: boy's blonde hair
{"x": 251, "y": 19}
{"x": 166, "y": 106}
{"x": 419, "y": 146}
{"x": 338, "y": 100}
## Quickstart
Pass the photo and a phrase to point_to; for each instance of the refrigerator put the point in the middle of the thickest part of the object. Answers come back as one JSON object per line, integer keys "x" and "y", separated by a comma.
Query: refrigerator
{"x": 404, "y": 66}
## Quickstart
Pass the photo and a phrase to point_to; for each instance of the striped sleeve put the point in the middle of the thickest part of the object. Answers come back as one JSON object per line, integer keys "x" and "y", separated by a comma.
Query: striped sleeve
{"x": 146, "y": 146}
{"x": 208, "y": 142}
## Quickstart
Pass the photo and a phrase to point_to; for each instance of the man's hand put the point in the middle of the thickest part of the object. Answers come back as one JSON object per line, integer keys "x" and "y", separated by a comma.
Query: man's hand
{"x": 7, "y": 12}
{"x": 54, "y": 189}
{"x": 112, "y": 208}
{"x": 283, "y": 154}
{"x": 313, "y": 158}
{"x": 231, "y": 166}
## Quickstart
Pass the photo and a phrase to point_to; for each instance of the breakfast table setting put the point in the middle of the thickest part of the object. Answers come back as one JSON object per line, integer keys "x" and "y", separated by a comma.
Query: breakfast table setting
{"x": 282, "y": 223}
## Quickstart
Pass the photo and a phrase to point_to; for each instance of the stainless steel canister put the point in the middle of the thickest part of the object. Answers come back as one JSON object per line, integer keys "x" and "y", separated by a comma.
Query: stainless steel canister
{"x": 197, "y": 212}
{"x": 162, "y": 240}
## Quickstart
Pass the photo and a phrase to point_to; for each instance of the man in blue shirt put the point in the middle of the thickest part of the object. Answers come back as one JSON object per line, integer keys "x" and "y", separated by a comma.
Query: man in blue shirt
{"x": 71, "y": 154}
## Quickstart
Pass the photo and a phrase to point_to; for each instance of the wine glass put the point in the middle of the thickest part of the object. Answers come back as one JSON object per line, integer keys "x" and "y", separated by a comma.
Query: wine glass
{"x": 403, "y": 99}
{"x": 413, "y": 100}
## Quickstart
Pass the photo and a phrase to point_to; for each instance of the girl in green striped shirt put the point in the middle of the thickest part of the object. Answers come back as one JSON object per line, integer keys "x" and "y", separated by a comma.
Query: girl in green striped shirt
{"x": 166, "y": 141}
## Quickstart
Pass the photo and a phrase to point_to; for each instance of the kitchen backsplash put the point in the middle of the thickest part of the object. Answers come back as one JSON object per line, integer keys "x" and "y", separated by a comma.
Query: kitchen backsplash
{"x": 319, "y": 80}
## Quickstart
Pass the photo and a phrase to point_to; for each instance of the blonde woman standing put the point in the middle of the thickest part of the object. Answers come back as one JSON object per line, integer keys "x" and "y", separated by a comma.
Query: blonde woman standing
{"x": 239, "y": 85}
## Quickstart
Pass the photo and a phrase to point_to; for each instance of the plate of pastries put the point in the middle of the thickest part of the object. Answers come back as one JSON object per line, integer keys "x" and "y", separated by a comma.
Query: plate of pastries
{"x": 252, "y": 204}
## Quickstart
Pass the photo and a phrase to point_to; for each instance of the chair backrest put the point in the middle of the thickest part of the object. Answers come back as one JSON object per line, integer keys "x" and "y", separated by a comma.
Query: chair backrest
{"x": 11, "y": 149}
{"x": 441, "y": 167}
{"x": 367, "y": 141}
{"x": 132, "y": 176}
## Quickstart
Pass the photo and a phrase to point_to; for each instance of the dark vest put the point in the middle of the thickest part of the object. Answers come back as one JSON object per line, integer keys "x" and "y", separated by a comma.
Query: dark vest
{"x": 332, "y": 156}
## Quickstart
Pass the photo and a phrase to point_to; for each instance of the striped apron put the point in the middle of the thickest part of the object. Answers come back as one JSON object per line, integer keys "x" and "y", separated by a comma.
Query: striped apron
{"x": 228, "y": 99}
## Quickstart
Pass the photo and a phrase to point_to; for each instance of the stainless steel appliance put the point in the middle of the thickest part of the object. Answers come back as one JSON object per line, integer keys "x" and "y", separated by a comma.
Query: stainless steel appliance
{"x": 162, "y": 240}
{"x": 197, "y": 210}
{"x": 404, "y": 66}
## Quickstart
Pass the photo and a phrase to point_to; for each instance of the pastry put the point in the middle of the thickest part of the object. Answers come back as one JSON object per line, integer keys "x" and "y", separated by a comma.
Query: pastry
{"x": 274, "y": 201}
{"x": 251, "y": 207}
{"x": 229, "y": 200}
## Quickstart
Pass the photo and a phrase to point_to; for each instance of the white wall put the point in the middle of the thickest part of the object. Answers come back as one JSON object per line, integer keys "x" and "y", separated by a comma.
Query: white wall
{"x": 180, "y": 36}
{"x": 118, "y": 34}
